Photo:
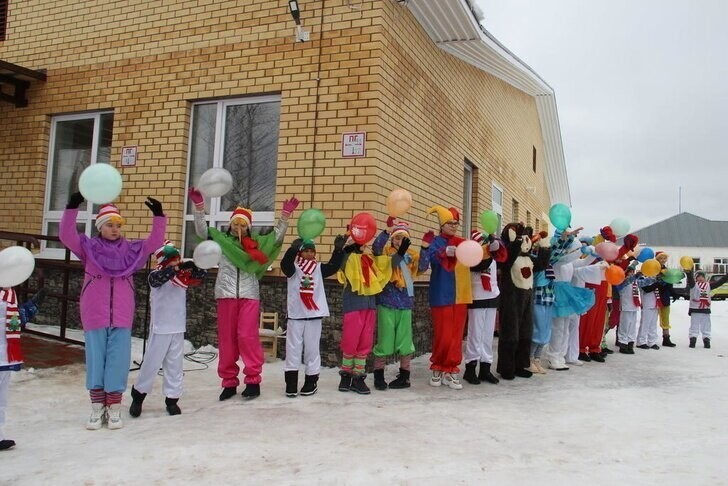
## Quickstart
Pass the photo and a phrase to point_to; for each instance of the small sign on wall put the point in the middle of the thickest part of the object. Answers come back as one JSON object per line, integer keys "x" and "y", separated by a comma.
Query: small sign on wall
{"x": 353, "y": 144}
{"x": 128, "y": 156}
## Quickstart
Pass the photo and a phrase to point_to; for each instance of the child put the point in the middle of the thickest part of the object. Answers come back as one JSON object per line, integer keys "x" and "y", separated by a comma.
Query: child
{"x": 482, "y": 311}
{"x": 245, "y": 259}
{"x": 107, "y": 300}
{"x": 307, "y": 307}
{"x": 629, "y": 298}
{"x": 364, "y": 276}
{"x": 664, "y": 290}
{"x": 699, "y": 311}
{"x": 395, "y": 303}
{"x": 169, "y": 282}
{"x": 543, "y": 301}
{"x": 449, "y": 295}
{"x": 11, "y": 358}
{"x": 647, "y": 334}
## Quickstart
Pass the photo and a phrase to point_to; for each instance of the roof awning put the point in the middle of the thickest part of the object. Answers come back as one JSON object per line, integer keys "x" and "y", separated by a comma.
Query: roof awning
{"x": 19, "y": 78}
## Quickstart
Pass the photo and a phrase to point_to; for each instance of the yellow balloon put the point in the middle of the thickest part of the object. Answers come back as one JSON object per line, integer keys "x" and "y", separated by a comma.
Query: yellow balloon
{"x": 399, "y": 202}
{"x": 651, "y": 268}
{"x": 687, "y": 263}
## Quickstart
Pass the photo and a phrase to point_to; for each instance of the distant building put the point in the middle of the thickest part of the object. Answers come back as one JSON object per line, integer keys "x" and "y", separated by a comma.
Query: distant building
{"x": 704, "y": 240}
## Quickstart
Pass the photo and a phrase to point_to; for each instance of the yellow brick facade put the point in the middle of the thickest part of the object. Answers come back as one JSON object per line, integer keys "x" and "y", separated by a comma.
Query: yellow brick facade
{"x": 368, "y": 67}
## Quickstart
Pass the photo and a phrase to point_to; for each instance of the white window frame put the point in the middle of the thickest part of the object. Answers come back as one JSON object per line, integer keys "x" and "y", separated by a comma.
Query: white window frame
{"x": 213, "y": 215}
{"x": 84, "y": 217}
{"x": 696, "y": 263}
{"x": 497, "y": 207}
{"x": 720, "y": 265}
{"x": 468, "y": 170}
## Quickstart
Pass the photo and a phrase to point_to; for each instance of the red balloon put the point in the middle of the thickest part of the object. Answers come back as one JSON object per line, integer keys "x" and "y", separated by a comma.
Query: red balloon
{"x": 614, "y": 275}
{"x": 363, "y": 227}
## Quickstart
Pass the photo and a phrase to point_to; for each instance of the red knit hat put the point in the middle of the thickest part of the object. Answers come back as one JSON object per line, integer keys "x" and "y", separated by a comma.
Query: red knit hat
{"x": 165, "y": 253}
{"x": 400, "y": 227}
{"x": 244, "y": 214}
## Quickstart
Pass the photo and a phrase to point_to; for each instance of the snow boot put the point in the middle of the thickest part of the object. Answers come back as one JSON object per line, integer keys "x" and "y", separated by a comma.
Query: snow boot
{"x": 532, "y": 367}
{"x": 644, "y": 346}
{"x": 607, "y": 351}
{"x": 666, "y": 341}
{"x": 345, "y": 383}
{"x": 172, "y": 407}
{"x": 655, "y": 347}
{"x": 358, "y": 385}
{"x": 626, "y": 349}
{"x": 310, "y": 385}
{"x": 98, "y": 414}
{"x": 584, "y": 357}
{"x": 486, "y": 375}
{"x": 252, "y": 390}
{"x": 379, "y": 382}
{"x": 523, "y": 373}
{"x": 706, "y": 343}
{"x": 228, "y": 392}
{"x": 693, "y": 340}
{"x": 113, "y": 413}
{"x": 291, "y": 383}
{"x": 470, "y": 376}
{"x": 402, "y": 380}
{"x": 137, "y": 398}
{"x": 6, "y": 444}
{"x": 597, "y": 358}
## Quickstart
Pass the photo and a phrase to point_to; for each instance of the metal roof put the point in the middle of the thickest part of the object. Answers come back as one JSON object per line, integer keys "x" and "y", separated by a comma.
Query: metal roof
{"x": 685, "y": 229}
{"x": 452, "y": 25}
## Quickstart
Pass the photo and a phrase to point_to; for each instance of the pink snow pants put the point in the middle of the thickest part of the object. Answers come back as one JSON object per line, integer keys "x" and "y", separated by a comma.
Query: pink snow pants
{"x": 238, "y": 321}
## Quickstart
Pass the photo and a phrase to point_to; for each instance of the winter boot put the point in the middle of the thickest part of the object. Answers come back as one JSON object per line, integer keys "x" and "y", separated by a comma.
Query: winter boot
{"x": 137, "y": 397}
{"x": 470, "y": 376}
{"x": 345, "y": 383}
{"x": 6, "y": 444}
{"x": 523, "y": 373}
{"x": 486, "y": 375}
{"x": 706, "y": 343}
{"x": 310, "y": 385}
{"x": 607, "y": 351}
{"x": 98, "y": 414}
{"x": 172, "y": 407}
{"x": 228, "y": 392}
{"x": 358, "y": 385}
{"x": 666, "y": 341}
{"x": 626, "y": 349}
{"x": 532, "y": 367}
{"x": 655, "y": 347}
{"x": 540, "y": 369}
{"x": 693, "y": 340}
{"x": 402, "y": 380}
{"x": 584, "y": 357}
{"x": 644, "y": 346}
{"x": 114, "y": 416}
{"x": 379, "y": 382}
{"x": 252, "y": 390}
{"x": 291, "y": 383}
{"x": 597, "y": 358}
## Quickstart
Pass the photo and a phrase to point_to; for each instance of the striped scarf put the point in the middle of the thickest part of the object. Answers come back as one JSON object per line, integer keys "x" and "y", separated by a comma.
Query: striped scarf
{"x": 636, "y": 294}
{"x": 658, "y": 299}
{"x": 181, "y": 279}
{"x": 704, "y": 299}
{"x": 305, "y": 290}
{"x": 12, "y": 325}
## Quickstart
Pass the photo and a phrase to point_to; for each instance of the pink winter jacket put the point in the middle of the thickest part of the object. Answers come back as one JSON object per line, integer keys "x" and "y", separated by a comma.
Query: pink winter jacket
{"x": 107, "y": 295}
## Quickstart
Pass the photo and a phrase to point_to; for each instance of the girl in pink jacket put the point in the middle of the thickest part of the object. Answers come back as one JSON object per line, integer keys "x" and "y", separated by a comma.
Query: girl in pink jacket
{"x": 107, "y": 300}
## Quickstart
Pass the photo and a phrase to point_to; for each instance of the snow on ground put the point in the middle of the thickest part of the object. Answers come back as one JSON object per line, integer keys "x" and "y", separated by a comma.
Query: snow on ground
{"x": 657, "y": 417}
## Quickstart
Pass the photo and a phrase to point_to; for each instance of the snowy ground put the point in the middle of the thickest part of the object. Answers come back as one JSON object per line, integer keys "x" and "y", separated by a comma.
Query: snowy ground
{"x": 654, "y": 418}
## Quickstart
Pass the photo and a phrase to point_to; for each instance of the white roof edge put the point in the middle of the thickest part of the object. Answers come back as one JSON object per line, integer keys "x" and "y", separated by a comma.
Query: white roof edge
{"x": 453, "y": 27}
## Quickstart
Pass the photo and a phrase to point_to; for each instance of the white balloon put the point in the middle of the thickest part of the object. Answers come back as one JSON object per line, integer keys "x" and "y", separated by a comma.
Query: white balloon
{"x": 215, "y": 182}
{"x": 100, "y": 183}
{"x": 207, "y": 254}
{"x": 16, "y": 266}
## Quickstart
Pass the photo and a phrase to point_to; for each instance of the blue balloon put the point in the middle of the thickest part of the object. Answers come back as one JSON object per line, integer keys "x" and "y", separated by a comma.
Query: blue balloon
{"x": 560, "y": 216}
{"x": 645, "y": 254}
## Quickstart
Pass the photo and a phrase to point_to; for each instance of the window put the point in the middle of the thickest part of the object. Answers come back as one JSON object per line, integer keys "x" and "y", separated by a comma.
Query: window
{"x": 77, "y": 141}
{"x": 467, "y": 217}
{"x": 497, "y": 204}
{"x": 514, "y": 208}
{"x": 528, "y": 218}
{"x": 720, "y": 265}
{"x": 696, "y": 262}
{"x": 3, "y": 19}
{"x": 241, "y": 136}
{"x": 534, "y": 160}
{"x": 537, "y": 226}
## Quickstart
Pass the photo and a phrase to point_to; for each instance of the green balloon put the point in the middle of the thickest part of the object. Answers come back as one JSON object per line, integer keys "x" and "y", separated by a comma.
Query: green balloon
{"x": 311, "y": 223}
{"x": 489, "y": 222}
{"x": 560, "y": 216}
{"x": 672, "y": 275}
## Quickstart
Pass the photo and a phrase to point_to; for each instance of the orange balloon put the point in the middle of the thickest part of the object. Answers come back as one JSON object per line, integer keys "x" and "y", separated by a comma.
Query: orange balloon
{"x": 650, "y": 268}
{"x": 614, "y": 275}
{"x": 399, "y": 202}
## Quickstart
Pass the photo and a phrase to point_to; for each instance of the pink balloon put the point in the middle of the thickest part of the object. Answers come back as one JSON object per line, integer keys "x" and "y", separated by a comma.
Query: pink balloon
{"x": 469, "y": 253}
{"x": 608, "y": 251}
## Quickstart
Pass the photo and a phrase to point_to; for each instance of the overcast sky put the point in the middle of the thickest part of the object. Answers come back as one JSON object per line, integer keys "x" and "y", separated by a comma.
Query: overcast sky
{"x": 642, "y": 93}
